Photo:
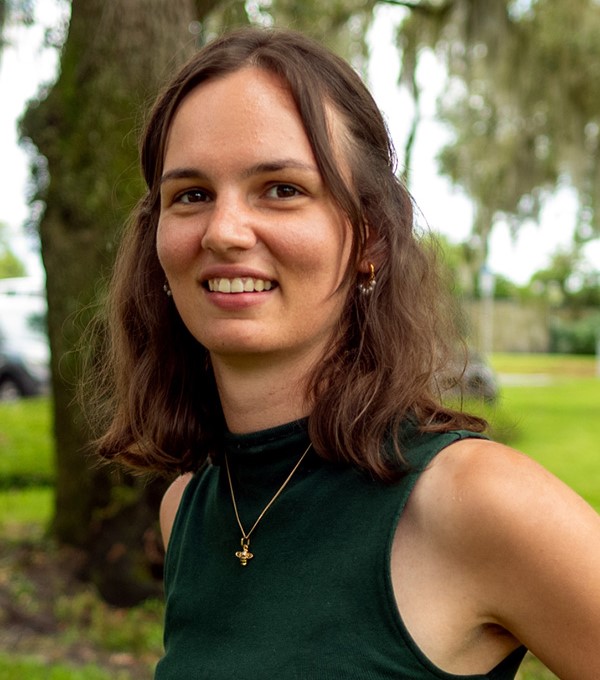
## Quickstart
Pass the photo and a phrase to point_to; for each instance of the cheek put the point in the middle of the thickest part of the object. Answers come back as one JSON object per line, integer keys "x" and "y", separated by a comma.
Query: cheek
{"x": 335, "y": 251}
{"x": 162, "y": 245}
{"x": 170, "y": 247}
{"x": 322, "y": 246}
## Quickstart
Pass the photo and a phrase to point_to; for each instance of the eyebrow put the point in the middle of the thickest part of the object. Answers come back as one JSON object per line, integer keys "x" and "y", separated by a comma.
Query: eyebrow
{"x": 257, "y": 169}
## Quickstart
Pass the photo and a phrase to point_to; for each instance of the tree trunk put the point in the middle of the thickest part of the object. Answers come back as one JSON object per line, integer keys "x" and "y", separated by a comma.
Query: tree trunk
{"x": 115, "y": 55}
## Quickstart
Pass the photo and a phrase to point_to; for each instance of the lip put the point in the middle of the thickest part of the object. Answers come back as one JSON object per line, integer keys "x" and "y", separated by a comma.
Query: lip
{"x": 235, "y": 301}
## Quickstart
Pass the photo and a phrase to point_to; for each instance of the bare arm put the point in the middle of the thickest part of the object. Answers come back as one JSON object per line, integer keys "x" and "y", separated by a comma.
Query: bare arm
{"x": 531, "y": 549}
{"x": 170, "y": 504}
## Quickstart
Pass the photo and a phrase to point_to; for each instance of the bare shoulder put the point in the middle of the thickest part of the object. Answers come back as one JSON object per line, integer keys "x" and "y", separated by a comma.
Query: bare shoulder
{"x": 488, "y": 493}
{"x": 529, "y": 544}
{"x": 480, "y": 479}
{"x": 170, "y": 505}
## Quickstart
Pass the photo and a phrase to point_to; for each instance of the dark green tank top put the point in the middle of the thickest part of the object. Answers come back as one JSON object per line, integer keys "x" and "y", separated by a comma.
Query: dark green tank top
{"x": 316, "y": 601}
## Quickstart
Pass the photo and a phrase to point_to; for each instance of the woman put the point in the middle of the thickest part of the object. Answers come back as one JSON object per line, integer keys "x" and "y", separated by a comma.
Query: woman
{"x": 277, "y": 330}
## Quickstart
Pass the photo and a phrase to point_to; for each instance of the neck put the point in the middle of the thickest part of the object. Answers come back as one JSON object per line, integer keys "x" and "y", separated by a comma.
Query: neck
{"x": 261, "y": 394}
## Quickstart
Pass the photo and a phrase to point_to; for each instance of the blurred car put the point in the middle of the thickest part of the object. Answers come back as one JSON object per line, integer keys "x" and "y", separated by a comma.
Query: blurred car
{"x": 470, "y": 378}
{"x": 24, "y": 350}
{"x": 479, "y": 380}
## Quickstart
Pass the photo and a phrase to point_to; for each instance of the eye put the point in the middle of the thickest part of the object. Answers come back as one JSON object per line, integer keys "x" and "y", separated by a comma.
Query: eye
{"x": 283, "y": 191}
{"x": 192, "y": 196}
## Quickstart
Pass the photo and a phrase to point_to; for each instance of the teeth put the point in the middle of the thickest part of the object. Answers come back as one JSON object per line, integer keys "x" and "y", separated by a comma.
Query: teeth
{"x": 239, "y": 285}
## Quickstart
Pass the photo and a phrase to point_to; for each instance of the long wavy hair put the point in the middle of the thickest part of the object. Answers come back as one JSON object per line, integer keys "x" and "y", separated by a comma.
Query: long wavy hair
{"x": 156, "y": 399}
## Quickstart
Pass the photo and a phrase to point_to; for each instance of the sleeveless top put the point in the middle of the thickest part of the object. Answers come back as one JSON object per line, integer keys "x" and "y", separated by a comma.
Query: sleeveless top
{"x": 316, "y": 601}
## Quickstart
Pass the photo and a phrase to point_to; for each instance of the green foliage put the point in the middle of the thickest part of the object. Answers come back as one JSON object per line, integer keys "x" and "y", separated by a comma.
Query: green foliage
{"x": 568, "y": 281}
{"x": 64, "y": 629}
{"x": 521, "y": 101}
{"x": 460, "y": 261}
{"x": 575, "y": 337}
{"x": 505, "y": 289}
{"x": 341, "y": 25}
{"x": 10, "y": 265}
{"x": 137, "y": 630}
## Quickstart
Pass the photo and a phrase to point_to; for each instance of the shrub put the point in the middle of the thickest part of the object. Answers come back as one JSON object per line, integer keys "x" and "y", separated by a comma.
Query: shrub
{"x": 575, "y": 337}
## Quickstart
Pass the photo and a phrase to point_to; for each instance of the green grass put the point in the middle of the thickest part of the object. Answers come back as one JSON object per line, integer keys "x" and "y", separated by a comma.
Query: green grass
{"x": 25, "y": 511}
{"x": 532, "y": 669}
{"x": 556, "y": 421}
{"x": 32, "y": 668}
{"x": 551, "y": 364}
{"x": 25, "y": 443}
{"x": 558, "y": 425}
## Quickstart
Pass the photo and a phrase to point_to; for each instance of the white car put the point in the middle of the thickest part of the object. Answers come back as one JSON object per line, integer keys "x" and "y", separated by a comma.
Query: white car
{"x": 24, "y": 350}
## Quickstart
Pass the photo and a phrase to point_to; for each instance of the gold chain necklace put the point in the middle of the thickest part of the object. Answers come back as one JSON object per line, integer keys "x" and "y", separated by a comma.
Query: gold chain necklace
{"x": 244, "y": 554}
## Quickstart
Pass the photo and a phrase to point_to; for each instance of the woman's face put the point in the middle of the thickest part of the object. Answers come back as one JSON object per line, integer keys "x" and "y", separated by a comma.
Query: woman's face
{"x": 253, "y": 247}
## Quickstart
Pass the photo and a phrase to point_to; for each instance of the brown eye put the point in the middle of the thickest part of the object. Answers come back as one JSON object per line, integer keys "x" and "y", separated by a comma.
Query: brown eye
{"x": 192, "y": 196}
{"x": 283, "y": 191}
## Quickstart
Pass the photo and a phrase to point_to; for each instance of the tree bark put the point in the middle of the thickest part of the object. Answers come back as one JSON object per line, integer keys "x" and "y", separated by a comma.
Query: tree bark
{"x": 115, "y": 55}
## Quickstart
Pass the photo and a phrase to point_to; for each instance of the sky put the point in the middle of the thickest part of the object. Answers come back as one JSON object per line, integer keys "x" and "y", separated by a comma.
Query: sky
{"x": 25, "y": 64}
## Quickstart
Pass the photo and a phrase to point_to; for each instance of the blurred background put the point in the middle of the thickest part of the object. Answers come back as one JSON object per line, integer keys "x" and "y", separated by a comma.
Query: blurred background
{"x": 494, "y": 108}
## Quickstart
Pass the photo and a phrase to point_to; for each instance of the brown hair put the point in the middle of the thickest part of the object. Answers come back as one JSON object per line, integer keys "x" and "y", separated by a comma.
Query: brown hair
{"x": 164, "y": 411}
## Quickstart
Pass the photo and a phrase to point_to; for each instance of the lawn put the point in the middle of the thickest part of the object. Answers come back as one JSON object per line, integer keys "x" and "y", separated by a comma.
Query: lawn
{"x": 25, "y": 443}
{"x": 554, "y": 404}
{"x": 565, "y": 365}
{"x": 549, "y": 408}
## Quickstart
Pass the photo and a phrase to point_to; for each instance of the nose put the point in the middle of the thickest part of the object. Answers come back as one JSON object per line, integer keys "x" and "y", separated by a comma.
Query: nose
{"x": 230, "y": 226}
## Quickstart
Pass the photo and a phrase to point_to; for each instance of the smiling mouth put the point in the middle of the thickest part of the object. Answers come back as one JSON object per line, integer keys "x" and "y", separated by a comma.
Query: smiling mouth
{"x": 239, "y": 285}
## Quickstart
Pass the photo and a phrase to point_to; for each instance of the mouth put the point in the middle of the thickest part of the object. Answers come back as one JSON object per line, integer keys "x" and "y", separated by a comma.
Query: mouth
{"x": 239, "y": 285}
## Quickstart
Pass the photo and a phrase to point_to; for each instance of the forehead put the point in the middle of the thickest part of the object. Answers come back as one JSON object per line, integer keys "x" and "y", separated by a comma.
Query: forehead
{"x": 249, "y": 109}
{"x": 252, "y": 109}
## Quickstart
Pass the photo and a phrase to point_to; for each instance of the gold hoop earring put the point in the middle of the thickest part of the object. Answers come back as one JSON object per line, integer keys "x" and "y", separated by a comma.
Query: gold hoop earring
{"x": 367, "y": 287}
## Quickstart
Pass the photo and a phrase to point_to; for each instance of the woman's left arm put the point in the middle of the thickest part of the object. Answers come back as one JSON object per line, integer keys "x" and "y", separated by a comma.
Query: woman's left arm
{"x": 534, "y": 549}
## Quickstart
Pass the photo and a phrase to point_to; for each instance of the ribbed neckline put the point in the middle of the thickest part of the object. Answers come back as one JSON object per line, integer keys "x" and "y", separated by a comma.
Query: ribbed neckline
{"x": 273, "y": 449}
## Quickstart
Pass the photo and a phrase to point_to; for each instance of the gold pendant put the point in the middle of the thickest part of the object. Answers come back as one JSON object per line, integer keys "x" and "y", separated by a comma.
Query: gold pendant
{"x": 244, "y": 554}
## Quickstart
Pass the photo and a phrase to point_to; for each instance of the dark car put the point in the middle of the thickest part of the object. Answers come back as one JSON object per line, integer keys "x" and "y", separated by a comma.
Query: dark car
{"x": 24, "y": 352}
